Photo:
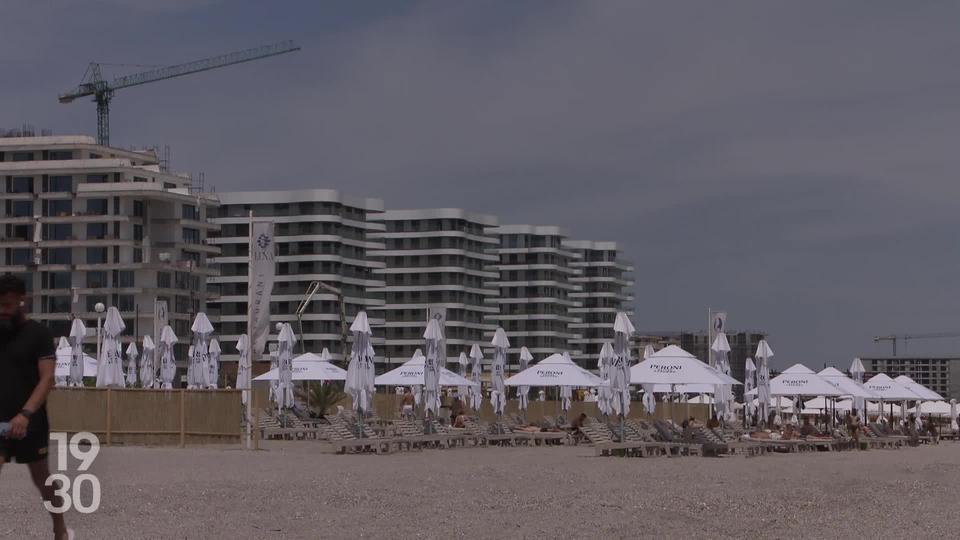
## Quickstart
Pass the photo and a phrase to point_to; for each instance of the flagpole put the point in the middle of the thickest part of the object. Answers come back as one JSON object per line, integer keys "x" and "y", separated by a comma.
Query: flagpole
{"x": 249, "y": 377}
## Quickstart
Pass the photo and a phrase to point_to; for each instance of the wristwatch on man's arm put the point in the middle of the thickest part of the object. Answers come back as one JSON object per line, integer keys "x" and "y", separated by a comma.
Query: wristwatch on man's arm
{"x": 26, "y": 413}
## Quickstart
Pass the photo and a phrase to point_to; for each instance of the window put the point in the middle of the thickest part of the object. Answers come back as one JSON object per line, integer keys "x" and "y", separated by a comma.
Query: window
{"x": 20, "y": 232}
{"x": 60, "y": 154}
{"x": 163, "y": 280}
{"x": 55, "y": 280}
{"x": 96, "y": 231}
{"x": 20, "y": 256}
{"x": 138, "y": 233}
{"x": 190, "y": 212}
{"x": 57, "y": 231}
{"x": 97, "y": 207}
{"x": 21, "y": 208}
{"x": 193, "y": 257}
{"x": 97, "y": 279}
{"x": 183, "y": 280}
{"x": 183, "y": 304}
{"x": 96, "y": 178}
{"x": 56, "y": 304}
{"x": 61, "y": 207}
{"x": 191, "y": 236}
{"x": 92, "y": 301}
{"x": 96, "y": 255}
{"x": 23, "y": 156}
{"x": 123, "y": 278}
{"x": 58, "y": 256}
{"x": 21, "y": 184}
{"x": 60, "y": 184}
{"x": 126, "y": 302}
{"x": 137, "y": 255}
{"x": 138, "y": 208}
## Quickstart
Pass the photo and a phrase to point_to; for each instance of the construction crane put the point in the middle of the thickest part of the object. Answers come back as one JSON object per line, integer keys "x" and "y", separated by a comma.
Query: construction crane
{"x": 312, "y": 290}
{"x": 893, "y": 338}
{"x": 102, "y": 91}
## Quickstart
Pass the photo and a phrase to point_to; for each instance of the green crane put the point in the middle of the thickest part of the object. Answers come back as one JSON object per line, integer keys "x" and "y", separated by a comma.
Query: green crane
{"x": 102, "y": 91}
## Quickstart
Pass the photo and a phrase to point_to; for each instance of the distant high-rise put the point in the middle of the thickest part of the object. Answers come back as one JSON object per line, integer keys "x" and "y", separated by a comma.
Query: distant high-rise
{"x": 84, "y": 224}
{"x": 320, "y": 235}
{"x": 439, "y": 260}
{"x": 535, "y": 302}
{"x": 605, "y": 290}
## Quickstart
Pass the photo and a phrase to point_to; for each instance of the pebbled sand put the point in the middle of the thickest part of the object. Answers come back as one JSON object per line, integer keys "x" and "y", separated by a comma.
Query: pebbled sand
{"x": 290, "y": 490}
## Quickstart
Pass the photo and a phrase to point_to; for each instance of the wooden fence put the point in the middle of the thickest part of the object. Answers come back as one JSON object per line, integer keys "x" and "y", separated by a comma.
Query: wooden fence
{"x": 388, "y": 406}
{"x": 138, "y": 416}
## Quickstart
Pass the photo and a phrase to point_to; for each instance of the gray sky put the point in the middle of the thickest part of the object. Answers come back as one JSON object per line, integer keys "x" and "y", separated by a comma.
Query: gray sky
{"x": 792, "y": 162}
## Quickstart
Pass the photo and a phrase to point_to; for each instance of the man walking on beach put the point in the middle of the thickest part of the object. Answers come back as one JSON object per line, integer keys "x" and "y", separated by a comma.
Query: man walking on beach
{"x": 27, "y": 359}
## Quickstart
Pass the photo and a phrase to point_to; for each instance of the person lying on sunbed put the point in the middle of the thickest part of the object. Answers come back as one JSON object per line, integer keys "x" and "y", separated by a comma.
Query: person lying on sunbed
{"x": 807, "y": 429}
{"x": 575, "y": 426}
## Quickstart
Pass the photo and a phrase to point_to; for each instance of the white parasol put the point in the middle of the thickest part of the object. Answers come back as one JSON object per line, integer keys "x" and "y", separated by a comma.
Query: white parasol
{"x": 243, "y": 367}
{"x": 62, "y": 375}
{"x": 750, "y": 377}
{"x": 498, "y": 392}
{"x": 723, "y": 395}
{"x": 110, "y": 364}
{"x": 198, "y": 366}
{"x": 360, "y": 371}
{"x": 476, "y": 393}
{"x": 77, "y": 332}
{"x": 605, "y": 392}
{"x": 649, "y": 400}
{"x": 463, "y": 391}
{"x": 213, "y": 360}
{"x": 148, "y": 370}
{"x": 620, "y": 366}
{"x": 523, "y": 392}
{"x": 168, "y": 364}
{"x": 132, "y": 355}
{"x": 764, "y": 354}
{"x": 285, "y": 342}
{"x": 431, "y": 368}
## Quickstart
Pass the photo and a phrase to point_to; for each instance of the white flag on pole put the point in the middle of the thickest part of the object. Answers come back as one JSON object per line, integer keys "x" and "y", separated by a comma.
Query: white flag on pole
{"x": 261, "y": 274}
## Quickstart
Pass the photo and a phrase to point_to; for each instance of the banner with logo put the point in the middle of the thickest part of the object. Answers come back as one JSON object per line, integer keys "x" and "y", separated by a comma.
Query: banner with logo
{"x": 261, "y": 274}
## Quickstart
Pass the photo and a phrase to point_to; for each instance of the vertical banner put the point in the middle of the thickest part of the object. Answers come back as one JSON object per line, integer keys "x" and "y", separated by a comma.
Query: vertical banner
{"x": 439, "y": 312}
{"x": 261, "y": 273}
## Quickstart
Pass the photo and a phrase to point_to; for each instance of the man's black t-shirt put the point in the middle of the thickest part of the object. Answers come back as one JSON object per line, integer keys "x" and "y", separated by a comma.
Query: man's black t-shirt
{"x": 21, "y": 349}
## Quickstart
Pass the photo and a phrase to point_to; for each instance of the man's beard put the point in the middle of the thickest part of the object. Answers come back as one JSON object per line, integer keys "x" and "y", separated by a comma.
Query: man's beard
{"x": 9, "y": 324}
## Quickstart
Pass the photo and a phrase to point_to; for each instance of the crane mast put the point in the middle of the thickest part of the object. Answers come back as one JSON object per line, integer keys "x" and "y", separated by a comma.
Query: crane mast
{"x": 102, "y": 91}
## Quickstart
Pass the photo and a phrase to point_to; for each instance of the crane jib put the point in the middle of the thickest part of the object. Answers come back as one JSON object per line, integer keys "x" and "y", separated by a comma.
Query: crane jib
{"x": 103, "y": 90}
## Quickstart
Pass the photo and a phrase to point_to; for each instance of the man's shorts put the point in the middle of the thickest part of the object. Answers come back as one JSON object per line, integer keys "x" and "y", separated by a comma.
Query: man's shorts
{"x": 29, "y": 449}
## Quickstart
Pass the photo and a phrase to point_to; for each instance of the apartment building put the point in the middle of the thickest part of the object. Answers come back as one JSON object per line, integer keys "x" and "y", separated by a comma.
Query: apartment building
{"x": 84, "y": 224}
{"x": 436, "y": 262}
{"x": 938, "y": 373}
{"x": 321, "y": 235}
{"x": 605, "y": 289}
{"x": 536, "y": 299}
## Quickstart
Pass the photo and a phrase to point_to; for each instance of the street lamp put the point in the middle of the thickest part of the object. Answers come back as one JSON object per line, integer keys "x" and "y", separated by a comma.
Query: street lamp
{"x": 99, "y": 308}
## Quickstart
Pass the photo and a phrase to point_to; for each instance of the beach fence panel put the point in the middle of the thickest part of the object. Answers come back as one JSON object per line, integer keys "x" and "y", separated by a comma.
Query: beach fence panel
{"x": 387, "y": 405}
{"x": 134, "y": 416}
